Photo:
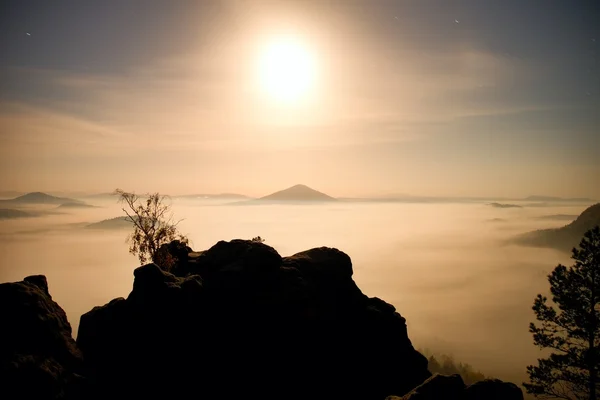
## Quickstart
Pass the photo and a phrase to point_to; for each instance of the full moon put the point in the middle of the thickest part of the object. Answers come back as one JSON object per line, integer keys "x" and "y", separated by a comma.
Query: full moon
{"x": 287, "y": 70}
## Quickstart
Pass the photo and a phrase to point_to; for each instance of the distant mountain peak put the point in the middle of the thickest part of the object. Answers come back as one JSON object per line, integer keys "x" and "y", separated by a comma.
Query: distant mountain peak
{"x": 298, "y": 192}
{"x": 35, "y": 195}
{"x": 42, "y": 198}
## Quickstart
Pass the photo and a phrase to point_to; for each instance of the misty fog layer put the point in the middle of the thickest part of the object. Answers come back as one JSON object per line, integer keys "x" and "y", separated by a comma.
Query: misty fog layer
{"x": 445, "y": 267}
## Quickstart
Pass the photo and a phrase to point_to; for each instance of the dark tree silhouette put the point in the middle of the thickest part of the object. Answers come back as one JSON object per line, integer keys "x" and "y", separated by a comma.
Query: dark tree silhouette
{"x": 572, "y": 331}
{"x": 153, "y": 226}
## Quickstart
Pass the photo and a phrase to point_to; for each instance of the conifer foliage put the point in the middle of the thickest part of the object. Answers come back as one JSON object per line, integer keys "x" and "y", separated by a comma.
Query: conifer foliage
{"x": 570, "y": 328}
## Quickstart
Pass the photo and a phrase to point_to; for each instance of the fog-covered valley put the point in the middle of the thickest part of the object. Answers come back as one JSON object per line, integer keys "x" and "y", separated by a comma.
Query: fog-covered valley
{"x": 446, "y": 267}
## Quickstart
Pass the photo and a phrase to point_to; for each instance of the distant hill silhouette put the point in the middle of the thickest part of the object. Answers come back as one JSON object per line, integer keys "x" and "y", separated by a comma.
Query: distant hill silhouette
{"x": 100, "y": 196}
{"x": 298, "y": 193}
{"x": 112, "y": 223}
{"x": 6, "y": 213}
{"x": 219, "y": 196}
{"x": 553, "y": 198}
{"x": 40, "y": 198}
{"x": 564, "y": 238}
{"x": 556, "y": 217}
{"x": 112, "y": 197}
{"x": 504, "y": 205}
{"x": 76, "y": 205}
{"x": 405, "y": 199}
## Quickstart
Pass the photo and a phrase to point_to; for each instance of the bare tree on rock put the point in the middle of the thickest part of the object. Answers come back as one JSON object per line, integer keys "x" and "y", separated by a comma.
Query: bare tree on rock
{"x": 153, "y": 226}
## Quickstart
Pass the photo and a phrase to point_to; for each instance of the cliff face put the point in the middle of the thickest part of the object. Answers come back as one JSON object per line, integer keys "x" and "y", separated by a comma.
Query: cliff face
{"x": 239, "y": 321}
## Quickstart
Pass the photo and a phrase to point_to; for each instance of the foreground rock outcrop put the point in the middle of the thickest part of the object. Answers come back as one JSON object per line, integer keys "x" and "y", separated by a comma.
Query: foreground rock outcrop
{"x": 38, "y": 356}
{"x": 247, "y": 323}
{"x": 237, "y": 321}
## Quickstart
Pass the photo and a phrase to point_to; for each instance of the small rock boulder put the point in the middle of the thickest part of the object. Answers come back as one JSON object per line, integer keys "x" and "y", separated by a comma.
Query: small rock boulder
{"x": 493, "y": 389}
{"x": 324, "y": 262}
{"x": 237, "y": 256}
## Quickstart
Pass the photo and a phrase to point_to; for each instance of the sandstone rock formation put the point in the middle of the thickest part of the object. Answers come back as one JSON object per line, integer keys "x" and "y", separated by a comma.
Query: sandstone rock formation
{"x": 246, "y": 322}
{"x": 237, "y": 321}
{"x": 38, "y": 356}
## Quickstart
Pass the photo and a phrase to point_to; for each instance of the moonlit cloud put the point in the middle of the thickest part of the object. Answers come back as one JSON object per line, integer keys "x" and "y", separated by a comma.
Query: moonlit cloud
{"x": 414, "y": 83}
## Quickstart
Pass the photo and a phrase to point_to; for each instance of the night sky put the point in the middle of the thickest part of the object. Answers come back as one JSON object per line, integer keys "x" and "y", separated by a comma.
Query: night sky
{"x": 481, "y": 98}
